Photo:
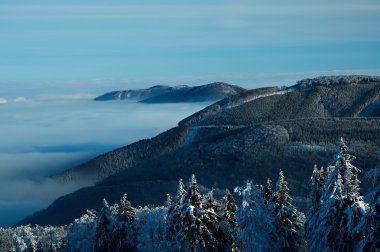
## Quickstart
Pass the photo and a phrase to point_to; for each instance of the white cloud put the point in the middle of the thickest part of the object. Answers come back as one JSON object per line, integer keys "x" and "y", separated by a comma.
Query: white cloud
{"x": 79, "y": 96}
{"x": 21, "y": 100}
{"x": 55, "y": 97}
{"x": 3, "y": 101}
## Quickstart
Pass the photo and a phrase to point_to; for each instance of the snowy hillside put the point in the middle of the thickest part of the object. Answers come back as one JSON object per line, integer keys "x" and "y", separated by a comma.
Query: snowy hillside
{"x": 249, "y": 135}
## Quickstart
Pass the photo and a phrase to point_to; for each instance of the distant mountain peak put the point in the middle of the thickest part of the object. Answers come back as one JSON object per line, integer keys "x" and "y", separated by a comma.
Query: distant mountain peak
{"x": 158, "y": 86}
{"x": 178, "y": 93}
{"x": 335, "y": 80}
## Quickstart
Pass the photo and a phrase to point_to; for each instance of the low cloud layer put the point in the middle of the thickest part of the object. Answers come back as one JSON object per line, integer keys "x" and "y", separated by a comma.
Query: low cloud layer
{"x": 3, "y": 101}
{"x": 40, "y": 137}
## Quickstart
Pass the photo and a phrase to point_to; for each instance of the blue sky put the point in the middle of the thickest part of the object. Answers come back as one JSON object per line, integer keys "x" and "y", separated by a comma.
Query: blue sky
{"x": 179, "y": 40}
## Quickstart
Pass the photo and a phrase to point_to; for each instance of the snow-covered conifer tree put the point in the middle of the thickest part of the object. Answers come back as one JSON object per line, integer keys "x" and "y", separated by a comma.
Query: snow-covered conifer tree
{"x": 174, "y": 219}
{"x": 228, "y": 232}
{"x": 255, "y": 219}
{"x": 5, "y": 240}
{"x": 124, "y": 232}
{"x": 81, "y": 233}
{"x": 211, "y": 220}
{"x": 169, "y": 200}
{"x": 127, "y": 212}
{"x": 288, "y": 221}
{"x": 331, "y": 227}
{"x": 317, "y": 182}
{"x": 103, "y": 232}
{"x": 268, "y": 191}
{"x": 369, "y": 226}
{"x": 195, "y": 234}
{"x": 150, "y": 227}
{"x": 36, "y": 238}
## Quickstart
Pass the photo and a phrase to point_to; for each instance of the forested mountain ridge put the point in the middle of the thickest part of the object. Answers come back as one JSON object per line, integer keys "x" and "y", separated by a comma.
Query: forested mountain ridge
{"x": 249, "y": 135}
{"x": 128, "y": 156}
{"x": 170, "y": 94}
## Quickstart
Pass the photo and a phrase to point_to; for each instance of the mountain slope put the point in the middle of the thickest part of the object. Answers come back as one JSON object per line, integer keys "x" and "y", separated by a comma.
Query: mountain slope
{"x": 249, "y": 135}
{"x": 128, "y": 156}
{"x": 210, "y": 92}
{"x": 138, "y": 94}
{"x": 181, "y": 93}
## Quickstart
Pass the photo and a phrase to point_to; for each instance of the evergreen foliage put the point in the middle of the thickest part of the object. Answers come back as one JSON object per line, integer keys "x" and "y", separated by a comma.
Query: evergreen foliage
{"x": 334, "y": 216}
{"x": 174, "y": 218}
{"x": 211, "y": 219}
{"x": 255, "y": 219}
{"x": 317, "y": 182}
{"x": 84, "y": 229}
{"x": 228, "y": 232}
{"x": 288, "y": 221}
{"x": 103, "y": 232}
{"x": 127, "y": 212}
{"x": 369, "y": 227}
{"x": 150, "y": 230}
{"x": 266, "y": 220}
{"x": 196, "y": 234}
{"x": 124, "y": 230}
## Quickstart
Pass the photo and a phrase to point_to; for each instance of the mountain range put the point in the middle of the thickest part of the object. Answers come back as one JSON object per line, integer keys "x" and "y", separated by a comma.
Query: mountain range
{"x": 170, "y": 94}
{"x": 250, "y": 135}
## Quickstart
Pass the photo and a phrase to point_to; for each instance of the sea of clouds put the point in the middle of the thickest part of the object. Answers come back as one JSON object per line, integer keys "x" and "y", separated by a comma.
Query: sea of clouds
{"x": 47, "y": 133}
{"x": 49, "y": 126}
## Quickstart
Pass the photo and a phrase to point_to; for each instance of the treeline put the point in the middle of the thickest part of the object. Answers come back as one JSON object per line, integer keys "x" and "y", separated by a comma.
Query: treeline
{"x": 338, "y": 80}
{"x": 339, "y": 219}
{"x": 318, "y": 130}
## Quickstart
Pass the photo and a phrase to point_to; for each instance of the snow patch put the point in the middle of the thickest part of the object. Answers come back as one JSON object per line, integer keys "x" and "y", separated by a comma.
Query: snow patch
{"x": 119, "y": 95}
{"x": 256, "y": 97}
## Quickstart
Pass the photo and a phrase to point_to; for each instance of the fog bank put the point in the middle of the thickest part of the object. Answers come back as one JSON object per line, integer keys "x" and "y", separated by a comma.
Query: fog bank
{"x": 43, "y": 135}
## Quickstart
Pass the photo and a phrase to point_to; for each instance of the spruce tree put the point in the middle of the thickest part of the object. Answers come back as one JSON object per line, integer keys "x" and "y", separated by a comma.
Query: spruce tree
{"x": 288, "y": 221}
{"x": 268, "y": 191}
{"x": 102, "y": 236}
{"x": 174, "y": 218}
{"x": 349, "y": 174}
{"x": 192, "y": 226}
{"x": 369, "y": 226}
{"x": 198, "y": 229}
{"x": 5, "y": 242}
{"x": 127, "y": 212}
{"x": 124, "y": 233}
{"x": 169, "y": 200}
{"x": 228, "y": 232}
{"x": 317, "y": 182}
{"x": 229, "y": 210}
{"x": 331, "y": 226}
{"x": 211, "y": 220}
{"x": 255, "y": 219}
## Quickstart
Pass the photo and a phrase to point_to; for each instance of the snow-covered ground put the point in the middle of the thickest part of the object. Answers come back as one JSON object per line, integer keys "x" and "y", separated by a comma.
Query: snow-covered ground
{"x": 252, "y": 98}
